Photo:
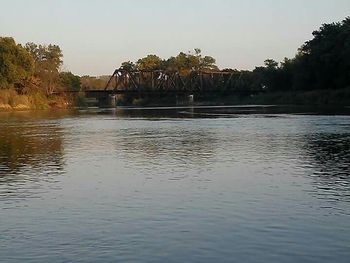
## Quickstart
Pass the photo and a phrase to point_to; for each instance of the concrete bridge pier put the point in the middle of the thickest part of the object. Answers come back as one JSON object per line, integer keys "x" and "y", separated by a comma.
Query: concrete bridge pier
{"x": 107, "y": 101}
{"x": 112, "y": 100}
{"x": 185, "y": 100}
{"x": 190, "y": 99}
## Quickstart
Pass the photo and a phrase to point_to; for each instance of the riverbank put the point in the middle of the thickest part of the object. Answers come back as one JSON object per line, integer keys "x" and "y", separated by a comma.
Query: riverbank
{"x": 320, "y": 98}
{"x": 340, "y": 97}
{"x": 10, "y": 100}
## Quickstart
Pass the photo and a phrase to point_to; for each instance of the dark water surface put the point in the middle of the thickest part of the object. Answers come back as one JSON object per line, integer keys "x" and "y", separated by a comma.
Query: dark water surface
{"x": 175, "y": 185}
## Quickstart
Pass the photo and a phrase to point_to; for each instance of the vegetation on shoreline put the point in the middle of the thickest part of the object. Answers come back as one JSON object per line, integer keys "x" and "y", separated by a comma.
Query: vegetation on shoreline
{"x": 325, "y": 97}
{"x": 11, "y": 100}
{"x": 30, "y": 76}
{"x": 319, "y": 74}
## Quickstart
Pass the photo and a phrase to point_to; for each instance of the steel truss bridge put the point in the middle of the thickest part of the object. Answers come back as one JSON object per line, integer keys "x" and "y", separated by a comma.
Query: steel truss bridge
{"x": 168, "y": 83}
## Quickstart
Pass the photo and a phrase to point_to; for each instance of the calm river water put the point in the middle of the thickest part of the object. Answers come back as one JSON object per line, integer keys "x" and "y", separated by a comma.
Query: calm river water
{"x": 174, "y": 185}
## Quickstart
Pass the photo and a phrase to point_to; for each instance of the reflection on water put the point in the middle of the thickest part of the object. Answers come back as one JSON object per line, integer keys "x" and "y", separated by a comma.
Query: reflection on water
{"x": 330, "y": 158}
{"x": 175, "y": 185}
{"x": 31, "y": 152}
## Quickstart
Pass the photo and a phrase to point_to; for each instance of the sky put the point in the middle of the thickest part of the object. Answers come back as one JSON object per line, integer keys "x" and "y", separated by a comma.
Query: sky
{"x": 96, "y": 36}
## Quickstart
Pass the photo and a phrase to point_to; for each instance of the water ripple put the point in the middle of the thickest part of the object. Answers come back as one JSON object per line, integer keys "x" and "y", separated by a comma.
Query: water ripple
{"x": 108, "y": 187}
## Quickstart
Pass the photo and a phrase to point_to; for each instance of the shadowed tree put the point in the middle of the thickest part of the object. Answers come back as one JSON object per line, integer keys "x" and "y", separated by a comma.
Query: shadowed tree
{"x": 128, "y": 65}
{"x": 69, "y": 81}
{"x": 325, "y": 60}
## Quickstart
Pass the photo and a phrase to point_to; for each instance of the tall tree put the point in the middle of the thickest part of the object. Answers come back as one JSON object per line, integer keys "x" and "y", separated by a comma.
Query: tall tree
{"x": 324, "y": 61}
{"x": 150, "y": 62}
{"x": 16, "y": 64}
{"x": 69, "y": 81}
{"x": 187, "y": 62}
{"x": 128, "y": 65}
{"x": 48, "y": 60}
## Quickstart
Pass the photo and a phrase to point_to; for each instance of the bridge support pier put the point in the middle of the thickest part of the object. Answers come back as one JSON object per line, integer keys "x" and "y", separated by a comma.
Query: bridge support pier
{"x": 185, "y": 100}
{"x": 107, "y": 101}
{"x": 191, "y": 99}
{"x": 112, "y": 101}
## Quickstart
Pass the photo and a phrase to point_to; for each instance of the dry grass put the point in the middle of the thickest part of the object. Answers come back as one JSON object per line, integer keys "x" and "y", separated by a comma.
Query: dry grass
{"x": 11, "y": 100}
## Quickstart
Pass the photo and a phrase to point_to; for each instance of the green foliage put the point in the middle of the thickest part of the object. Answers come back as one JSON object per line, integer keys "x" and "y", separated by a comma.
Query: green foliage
{"x": 324, "y": 61}
{"x": 69, "y": 81}
{"x": 271, "y": 64}
{"x": 184, "y": 63}
{"x": 48, "y": 60}
{"x": 268, "y": 76}
{"x": 33, "y": 71}
{"x": 128, "y": 65}
{"x": 321, "y": 63}
{"x": 16, "y": 63}
{"x": 150, "y": 62}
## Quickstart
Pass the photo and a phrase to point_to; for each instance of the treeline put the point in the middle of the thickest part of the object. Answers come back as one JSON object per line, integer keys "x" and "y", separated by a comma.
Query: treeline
{"x": 30, "y": 75}
{"x": 183, "y": 63}
{"x": 33, "y": 67}
{"x": 322, "y": 63}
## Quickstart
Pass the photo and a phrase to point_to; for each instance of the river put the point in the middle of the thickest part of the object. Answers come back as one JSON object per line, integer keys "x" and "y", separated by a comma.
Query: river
{"x": 243, "y": 184}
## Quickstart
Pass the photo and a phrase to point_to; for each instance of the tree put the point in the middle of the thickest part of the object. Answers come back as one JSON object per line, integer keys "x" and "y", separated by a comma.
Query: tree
{"x": 324, "y": 61}
{"x": 208, "y": 63}
{"x": 271, "y": 64}
{"x": 128, "y": 65}
{"x": 16, "y": 64}
{"x": 95, "y": 83}
{"x": 268, "y": 76}
{"x": 150, "y": 62}
{"x": 286, "y": 74}
{"x": 48, "y": 60}
{"x": 187, "y": 62}
{"x": 69, "y": 81}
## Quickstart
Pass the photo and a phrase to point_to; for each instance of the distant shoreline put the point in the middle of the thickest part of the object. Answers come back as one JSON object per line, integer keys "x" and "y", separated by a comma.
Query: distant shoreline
{"x": 11, "y": 101}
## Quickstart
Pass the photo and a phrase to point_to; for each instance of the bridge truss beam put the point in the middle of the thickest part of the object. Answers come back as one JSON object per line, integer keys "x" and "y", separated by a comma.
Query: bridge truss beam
{"x": 172, "y": 81}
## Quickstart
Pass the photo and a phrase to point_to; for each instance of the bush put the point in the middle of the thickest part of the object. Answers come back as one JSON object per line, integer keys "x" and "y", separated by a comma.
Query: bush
{"x": 81, "y": 101}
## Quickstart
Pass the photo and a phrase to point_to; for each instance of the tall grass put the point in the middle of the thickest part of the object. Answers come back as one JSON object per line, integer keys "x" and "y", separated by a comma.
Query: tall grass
{"x": 11, "y": 100}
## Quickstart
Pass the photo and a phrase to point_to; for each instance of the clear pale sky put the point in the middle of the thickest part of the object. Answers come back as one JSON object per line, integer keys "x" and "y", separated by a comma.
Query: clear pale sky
{"x": 97, "y": 35}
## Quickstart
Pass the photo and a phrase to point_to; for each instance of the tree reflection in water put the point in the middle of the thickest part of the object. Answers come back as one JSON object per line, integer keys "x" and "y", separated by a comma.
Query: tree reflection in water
{"x": 31, "y": 153}
{"x": 330, "y": 159}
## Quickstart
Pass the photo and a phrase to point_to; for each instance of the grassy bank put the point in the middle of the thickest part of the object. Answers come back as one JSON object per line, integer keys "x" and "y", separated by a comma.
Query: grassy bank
{"x": 10, "y": 100}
